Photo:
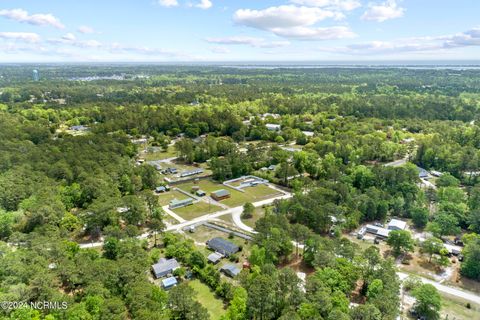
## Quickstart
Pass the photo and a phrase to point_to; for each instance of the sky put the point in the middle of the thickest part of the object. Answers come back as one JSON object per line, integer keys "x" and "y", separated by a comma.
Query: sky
{"x": 238, "y": 30}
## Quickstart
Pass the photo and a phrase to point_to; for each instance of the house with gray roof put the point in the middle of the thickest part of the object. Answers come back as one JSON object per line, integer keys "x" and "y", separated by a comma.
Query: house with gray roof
{"x": 222, "y": 246}
{"x": 230, "y": 270}
{"x": 164, "y": 267}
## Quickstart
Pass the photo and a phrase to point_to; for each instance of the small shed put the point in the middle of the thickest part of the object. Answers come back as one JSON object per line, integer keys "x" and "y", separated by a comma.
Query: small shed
{"x": 220, "y": 194}
{"x": 200, "y": 193}
{"x": 169, "y": 283}
{"x": 230, "y": 270}
{"x": 214, "y": 257}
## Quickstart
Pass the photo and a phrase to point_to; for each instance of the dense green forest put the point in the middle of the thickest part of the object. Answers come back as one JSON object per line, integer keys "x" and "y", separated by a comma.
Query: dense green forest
{"x": 61, "y": 187}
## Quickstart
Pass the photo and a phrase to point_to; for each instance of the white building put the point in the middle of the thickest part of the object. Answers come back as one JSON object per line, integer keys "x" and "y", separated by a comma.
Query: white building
{"x": 396, "y": 224}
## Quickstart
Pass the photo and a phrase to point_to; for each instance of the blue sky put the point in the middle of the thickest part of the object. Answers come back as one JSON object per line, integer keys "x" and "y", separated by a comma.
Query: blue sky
{"x": 242, "y": 30}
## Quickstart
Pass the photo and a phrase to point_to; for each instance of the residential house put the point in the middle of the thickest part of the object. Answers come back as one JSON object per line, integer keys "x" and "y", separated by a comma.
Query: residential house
{"x": 222, "y": 246}
{"x": 164, "y": 267}
{"x": 220, "y": 194}
{"x": 230, "y": 270}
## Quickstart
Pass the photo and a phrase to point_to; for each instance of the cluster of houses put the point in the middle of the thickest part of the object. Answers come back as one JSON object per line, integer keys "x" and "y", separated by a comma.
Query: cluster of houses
{"x": 164, "y": 268}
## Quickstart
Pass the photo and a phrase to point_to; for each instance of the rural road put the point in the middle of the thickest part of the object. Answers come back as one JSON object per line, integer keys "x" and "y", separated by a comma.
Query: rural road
{"x": 235, "y": 212}
{"x": 466, "y": 295}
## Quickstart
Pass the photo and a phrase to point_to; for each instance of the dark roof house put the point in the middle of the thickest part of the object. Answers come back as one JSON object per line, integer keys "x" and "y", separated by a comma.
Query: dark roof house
{"x": 223, "y": 246}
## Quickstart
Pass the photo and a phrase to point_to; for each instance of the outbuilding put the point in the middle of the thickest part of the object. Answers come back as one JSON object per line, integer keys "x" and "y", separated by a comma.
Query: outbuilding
{"x": 396, "y": 224}
{"x": 214, "y": 257}
{"x": 169, "y": 283}
{"x": 175, "y": 203}
{"x": 230, "y": 270}
{"x": 220, "y": 194}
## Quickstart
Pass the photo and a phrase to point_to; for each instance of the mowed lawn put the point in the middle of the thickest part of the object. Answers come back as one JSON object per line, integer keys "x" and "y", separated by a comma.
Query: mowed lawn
{"x": 198, "y": 209}
{"x": 207, "y": 298}
{"x": 159, "y": 155}
{"x": 251, "y": 194}
{"x": 165, "y": 198}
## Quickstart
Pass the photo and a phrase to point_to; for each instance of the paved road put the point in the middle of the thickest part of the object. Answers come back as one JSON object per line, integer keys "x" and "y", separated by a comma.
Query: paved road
{"x": 396, "y": 163}
{"x": 466, "y": 295}
{"x": 235, "y": 212}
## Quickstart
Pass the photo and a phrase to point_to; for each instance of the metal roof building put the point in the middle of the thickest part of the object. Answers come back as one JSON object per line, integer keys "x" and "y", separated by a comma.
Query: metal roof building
{"x": 175, "y": 203}
{"x": 214, "y": 257}
{"x": 169, "y": 282}
{"x": 230, "y": 270}
{"x": 222, "y": 246}
{"x": 164, "y": 267}
{"x": 396, "y": 224}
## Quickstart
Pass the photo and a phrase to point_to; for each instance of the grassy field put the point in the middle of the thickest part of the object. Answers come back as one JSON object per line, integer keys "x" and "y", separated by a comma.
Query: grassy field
{"x": 257, "y": 214}
{"x": 206, "y": 185}
{"x": 165, "y": 198}
{"x": 251, "y": 194}
{"x": 237, "y": 198}
{"x": 456, "y": 308}
{"x": 196, "y": 210}
{"x": 159, "y": 155}
{"x": 207, "y": 298}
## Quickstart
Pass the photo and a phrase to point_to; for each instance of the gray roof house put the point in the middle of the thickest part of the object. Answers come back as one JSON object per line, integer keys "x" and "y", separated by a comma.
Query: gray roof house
{"x": 396, "y": 224}
{"x": 230, "y": 270}
{"x": 222, "y": 246}
{"x": 164, "y": 267}
{"x": 215, "y": 257}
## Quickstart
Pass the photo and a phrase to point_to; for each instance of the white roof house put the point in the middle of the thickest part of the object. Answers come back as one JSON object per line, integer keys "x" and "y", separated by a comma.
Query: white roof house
{"x": 272, "y": 127}
{"x": 396, "y": 224}
{"x": 308, "y": 133}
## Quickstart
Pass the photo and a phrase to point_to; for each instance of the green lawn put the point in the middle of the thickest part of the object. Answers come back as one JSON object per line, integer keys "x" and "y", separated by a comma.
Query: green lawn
{"x": 207, "y": 298}
{"x": 170, "y": 153}
{"x": 237, "y": 198}
{"x": 456, "y": 308}
{"x": 251, "y": 194}
{"x": 165, "y": 198}
{"x": 196, "y": 210}
{"x": 206, "y": 185}
{"x": 257, "y": 214}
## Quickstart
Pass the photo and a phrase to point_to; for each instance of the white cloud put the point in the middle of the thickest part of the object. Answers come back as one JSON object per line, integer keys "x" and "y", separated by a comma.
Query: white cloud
{"x": 168, "y": 3}
{"x": 294, "y": 22}
{"x": 39, "y": 19}
{"x": 220, "y": 50}
{"x": 20, "y": 36}
{"x": 343, "y": 5}
{"x": 69, "y": 37}
{"x": 285, "y": 16}
{"x": 85, "y": 29}
{"x": 384, "y": 11}
{"x": 250, "y": 41}
{"x": 307, "y": 33}
{"x": 204, "y": 4}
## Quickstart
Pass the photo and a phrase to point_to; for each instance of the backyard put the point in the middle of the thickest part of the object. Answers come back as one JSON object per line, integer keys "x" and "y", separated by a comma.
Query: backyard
{"x": 207, "y": 298}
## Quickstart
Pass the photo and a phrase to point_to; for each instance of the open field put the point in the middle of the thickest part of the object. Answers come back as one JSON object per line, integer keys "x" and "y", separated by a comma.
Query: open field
{"x": 160, "y": 155}
{"x": 165, "y": 198}
{"x": 207, "y": 298}
{"x": 457, "y": 309}
{"x": 258, "y": 213}
{"x": 251, "y": 194}
{"x": 196, "y": 210}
